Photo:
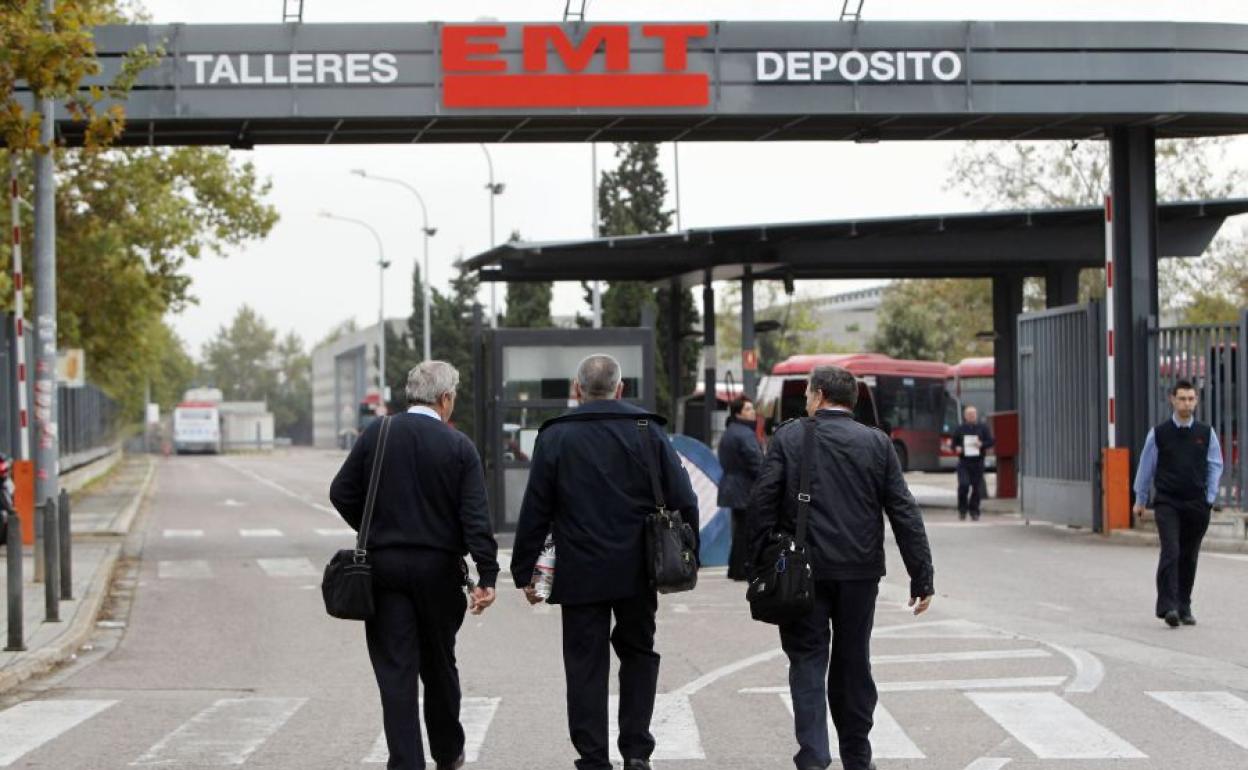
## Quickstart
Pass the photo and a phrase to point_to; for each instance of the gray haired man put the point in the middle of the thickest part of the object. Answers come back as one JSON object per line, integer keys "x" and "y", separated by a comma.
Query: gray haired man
{"x": 854, "y": 476}
{"x": 430, "y": 511}
{"x": 590, "y": 486}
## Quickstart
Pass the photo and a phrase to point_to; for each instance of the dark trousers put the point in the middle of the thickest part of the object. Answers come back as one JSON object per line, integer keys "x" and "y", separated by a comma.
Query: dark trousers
{"x": 850, "y": 695}
{"x": 1180, "y": 527}
{"x": 970, "y": 480}
{"x": 420, "y": 606}
{"x": 587, "y": 633}
{"x": 739, "y": 556}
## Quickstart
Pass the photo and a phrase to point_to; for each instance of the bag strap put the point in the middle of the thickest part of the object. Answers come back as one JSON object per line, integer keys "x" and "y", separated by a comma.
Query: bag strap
{"x": 803, "y": 483}
{"x": 373, "y": 480}
{"x": 656, "y": 488}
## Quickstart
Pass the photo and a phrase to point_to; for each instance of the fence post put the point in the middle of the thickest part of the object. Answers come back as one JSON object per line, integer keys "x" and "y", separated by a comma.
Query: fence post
{"x": 1240, "y": 441}
{"x": 13, "y": 548}
{"x": 52, "y": 571}
{"x": 67, "y": 550}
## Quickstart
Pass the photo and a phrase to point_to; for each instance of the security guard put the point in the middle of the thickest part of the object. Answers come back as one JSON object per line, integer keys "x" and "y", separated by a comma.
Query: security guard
{"x": 1182, "y": 461}
{"x": 855, "y": 475}
{"x": 590, "y": 486}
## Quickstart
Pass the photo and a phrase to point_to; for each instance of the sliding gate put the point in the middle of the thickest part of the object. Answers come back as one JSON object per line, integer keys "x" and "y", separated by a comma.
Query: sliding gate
{"x": 1061, "y": 421}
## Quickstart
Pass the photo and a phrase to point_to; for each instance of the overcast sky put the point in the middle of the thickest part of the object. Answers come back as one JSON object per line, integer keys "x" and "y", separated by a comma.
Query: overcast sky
{"x": 311, "y": 274}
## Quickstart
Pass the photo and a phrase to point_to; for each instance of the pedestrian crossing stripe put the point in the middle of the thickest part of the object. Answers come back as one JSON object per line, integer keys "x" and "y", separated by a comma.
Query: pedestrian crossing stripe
{"x": 176, "y": 533}
{"x": 475, "y": 714}
{"x": 292, "y": 567}
{"x": 186, "y": 569}
{"x": 673, "y": 726}
{"x": 27, "y": 726}
{"x": 260, "y": 533}
{"x": 336, "y": 532}
{"x": 225, "y": 733}
{"x": 1052, "y": 728}
{"x": 888, "y": 740}
{"x": 1220, "y": 712}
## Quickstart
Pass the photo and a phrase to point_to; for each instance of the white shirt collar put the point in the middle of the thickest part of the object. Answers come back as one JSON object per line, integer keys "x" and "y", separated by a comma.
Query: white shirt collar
{"x": 1180, "y": 424}
{"x": 422, "y": 409}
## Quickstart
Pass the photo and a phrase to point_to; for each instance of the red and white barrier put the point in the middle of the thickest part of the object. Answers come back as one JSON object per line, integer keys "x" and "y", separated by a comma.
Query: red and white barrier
{"x": 19, "y": 311}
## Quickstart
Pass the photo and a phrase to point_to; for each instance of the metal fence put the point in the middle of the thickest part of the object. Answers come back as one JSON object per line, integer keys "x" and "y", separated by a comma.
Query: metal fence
{"x": 1212, "y": 357}
{"x": 1061, "y": 431}
{"x": 87, "y": 417}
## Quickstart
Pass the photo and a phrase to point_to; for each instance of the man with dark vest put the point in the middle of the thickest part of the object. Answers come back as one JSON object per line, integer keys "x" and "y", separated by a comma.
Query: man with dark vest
{"x": 590, "y": 486}
{"x": 1182, "y": 463}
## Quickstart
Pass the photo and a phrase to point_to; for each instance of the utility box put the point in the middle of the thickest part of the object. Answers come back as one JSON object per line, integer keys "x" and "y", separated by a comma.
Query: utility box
{"x": 1005, "y": 431}
{"x": 246, "y": 426}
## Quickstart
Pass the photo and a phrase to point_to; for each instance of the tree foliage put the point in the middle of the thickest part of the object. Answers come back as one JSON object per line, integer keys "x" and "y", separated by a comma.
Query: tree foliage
{"x": 935, "y": 320}
{"x": 249, "y": 362}
{"x": 631, "y": 201}
{"x": 528, "y": 302}
{"x": 798, "y": 333}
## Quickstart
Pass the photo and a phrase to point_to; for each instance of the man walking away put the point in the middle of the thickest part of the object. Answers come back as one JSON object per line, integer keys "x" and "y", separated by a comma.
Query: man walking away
{"x": 430, "y": 511}
{"x": 1182, "y": 462}
{"x": 589, "y": 484}
{"x": 741, "y": 457}
{"x": 971, "y": 440}
{"x": 855, "y": 474}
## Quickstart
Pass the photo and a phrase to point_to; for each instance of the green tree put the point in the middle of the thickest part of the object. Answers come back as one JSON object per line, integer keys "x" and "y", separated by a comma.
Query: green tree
{"x": 174, "y": 370}
{"x": 528, "y": 303}
{"x": 291, "y": 400}
{"x": 935, "y": 320}
{"x": 798, "y": 333}
{"x": 631, "y": 201}
{"x": 452, "y": 340}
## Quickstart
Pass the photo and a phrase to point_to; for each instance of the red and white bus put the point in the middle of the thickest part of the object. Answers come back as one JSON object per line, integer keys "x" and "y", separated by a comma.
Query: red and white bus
{"x": 908, "y": 400}
{"x": 972, "y": 383}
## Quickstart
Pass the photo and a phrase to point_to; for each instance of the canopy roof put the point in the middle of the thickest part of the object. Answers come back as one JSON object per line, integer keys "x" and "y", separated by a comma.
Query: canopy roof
{"x": 930, "y": 246}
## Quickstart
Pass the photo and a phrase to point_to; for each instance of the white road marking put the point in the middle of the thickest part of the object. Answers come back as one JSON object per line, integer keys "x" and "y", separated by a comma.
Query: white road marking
{"x": 1089, "y": 671}
{"x": 232, "y": 503}
{"x": 970, "y": 655}
{"x": 673, "y": 726}
{"x": 293, "y": 567}
{"x": 225, "y": 733}
{"x": 1220, "y": 712}
{"x": 888, "y": 740}
{"x": 260, "y": 533}
{"x": 989, "y": 763}
{"x": 171, "y": 533}
{"x": 279, "y": 488}
{"x": 942, "y": 629}
{"x": 188, "y": 569}
{"x": 1227, "y": 556}
{"x": 475, "y": 714}
{"x": 29, "y": 725}
{"x": 1053, "y": 728}
{"x": 1055, "y": 607}
{"x": 933, "y": 685}
{"x": 713, "y": 676}
{"x": 336, "y": 532}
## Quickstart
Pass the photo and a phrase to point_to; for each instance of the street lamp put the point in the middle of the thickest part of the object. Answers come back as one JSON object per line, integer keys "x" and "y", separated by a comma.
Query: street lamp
{"x": 428, "y": 233}
{"x": 494, "y": 190}
{"x": 381, "y": 300}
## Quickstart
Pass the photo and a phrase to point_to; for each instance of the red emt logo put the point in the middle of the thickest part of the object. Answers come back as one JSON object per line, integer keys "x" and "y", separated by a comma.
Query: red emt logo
{"x": 475, "y": 74}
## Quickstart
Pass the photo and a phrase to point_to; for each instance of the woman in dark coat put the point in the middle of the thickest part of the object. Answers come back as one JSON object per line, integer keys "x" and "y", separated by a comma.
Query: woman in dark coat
{"x": 741, "y": 458}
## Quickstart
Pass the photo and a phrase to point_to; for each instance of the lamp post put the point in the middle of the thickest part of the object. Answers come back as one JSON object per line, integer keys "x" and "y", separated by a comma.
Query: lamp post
{"x": 381, "y": 298}
{"x": 494, "y": 190}
{"x": 428, "y": 232}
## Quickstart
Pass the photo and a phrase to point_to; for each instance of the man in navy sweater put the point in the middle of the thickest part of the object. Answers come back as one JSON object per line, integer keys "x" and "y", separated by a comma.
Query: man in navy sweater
{"x": 1182, "y": 462}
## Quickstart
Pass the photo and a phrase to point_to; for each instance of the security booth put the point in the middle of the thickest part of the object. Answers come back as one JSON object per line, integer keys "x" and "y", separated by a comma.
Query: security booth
{"x": 527, "y": 379}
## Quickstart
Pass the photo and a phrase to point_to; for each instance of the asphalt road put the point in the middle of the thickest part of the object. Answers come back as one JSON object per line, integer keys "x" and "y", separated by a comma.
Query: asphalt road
{"x": 1040, "y": 652}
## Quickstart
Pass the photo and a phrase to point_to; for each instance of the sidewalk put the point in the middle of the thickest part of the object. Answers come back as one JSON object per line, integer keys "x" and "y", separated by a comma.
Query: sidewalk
{"x": 940, "y": 490}
{"x": 100, "y": 518}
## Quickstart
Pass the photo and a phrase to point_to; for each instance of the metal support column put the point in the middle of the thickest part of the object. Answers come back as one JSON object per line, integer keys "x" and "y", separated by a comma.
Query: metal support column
{"x": 709, "y": 378}
{"x": 1134, "y": 178}
{"x": 674, "y": 343}
{"x": 1007, "y": 306}
{"x": 1061, "y": 286}
{"x": 66, "y": 541}
{"x": 1242, "y": 384}
{"x": 13, "y": 579}
{"x": 749, "y": 357}
{"x": 52, "y": 571}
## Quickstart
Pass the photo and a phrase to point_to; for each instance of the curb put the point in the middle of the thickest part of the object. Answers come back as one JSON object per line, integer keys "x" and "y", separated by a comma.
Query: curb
{"x": 76, "y": 633}
{"x": 82, "y": 625}
{"x": 1135, "y": 539}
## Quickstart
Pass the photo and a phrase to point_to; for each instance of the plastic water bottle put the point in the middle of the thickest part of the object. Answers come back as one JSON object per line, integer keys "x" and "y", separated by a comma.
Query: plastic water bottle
{"x": 544, "y": 574}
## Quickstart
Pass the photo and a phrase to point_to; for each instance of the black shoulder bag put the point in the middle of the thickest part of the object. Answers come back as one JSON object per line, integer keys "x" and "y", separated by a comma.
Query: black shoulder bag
{"x": 783, "y": 588}
{"x": 671, "y": 561}
{"x": 348, "y": 583}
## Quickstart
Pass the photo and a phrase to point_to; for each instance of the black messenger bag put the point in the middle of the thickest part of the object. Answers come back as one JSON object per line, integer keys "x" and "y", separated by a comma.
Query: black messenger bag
{"x": 347, "y": 586}
{"x": 783, "y": 588}
{"x": 671, "y": 558}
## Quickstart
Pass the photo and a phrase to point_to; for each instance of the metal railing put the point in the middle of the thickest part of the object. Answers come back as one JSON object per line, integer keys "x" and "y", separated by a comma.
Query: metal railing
{"x": 1213, "y": 358}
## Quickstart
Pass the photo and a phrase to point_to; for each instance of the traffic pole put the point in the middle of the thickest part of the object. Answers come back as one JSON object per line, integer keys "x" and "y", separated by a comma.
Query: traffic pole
{"x": 52, "y": 572}
{"x": 67, "y": 546}
{"x": 13, "y": 547}
{"x": 1111, "y": 402}
{"x": 19, "y": 311}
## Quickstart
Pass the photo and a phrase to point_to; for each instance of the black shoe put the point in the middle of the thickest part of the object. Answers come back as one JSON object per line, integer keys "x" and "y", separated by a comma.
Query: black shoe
{"x": 637, "y": 764}
{"x": 961, "y": 515}
{"x": 456, "y": 765}
{"x": 1187, "y": 619}
{"x": 1172, "y": 619}
{"x": 974, "y": 517}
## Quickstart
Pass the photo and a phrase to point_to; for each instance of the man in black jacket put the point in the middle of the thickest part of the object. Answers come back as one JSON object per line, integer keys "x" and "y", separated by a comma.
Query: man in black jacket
{"x": 430, "y": 511}
{"x": 855, "y": 474}
{"x": 590, "y": 486}
{"x": 741, "y": 457}
{"x": 971, "y": 440}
